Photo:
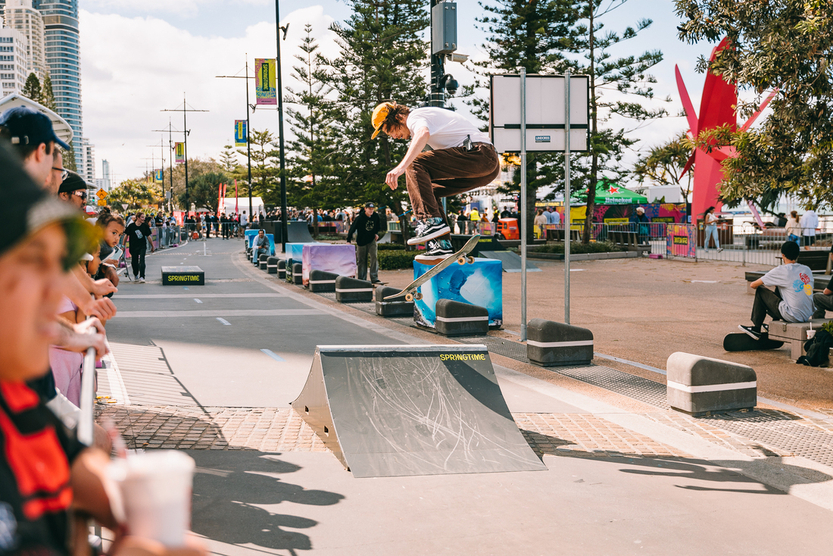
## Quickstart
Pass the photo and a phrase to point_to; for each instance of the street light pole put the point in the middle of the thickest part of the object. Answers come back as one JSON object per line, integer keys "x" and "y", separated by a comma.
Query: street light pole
{"x": 185, "y": 132}
{"x": 280, "y": 125}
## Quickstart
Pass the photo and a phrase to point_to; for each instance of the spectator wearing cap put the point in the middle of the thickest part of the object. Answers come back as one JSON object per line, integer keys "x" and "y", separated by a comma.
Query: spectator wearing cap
{"x": 33, "y": 138}
{"x": 366, "y": 226}
{"x": 73, "y": 190}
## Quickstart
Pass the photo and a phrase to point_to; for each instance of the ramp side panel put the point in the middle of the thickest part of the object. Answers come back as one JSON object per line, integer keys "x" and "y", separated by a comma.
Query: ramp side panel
{"x": 413, "y": 413}
{"x": 298, "y": 232}
{"x": 511, "y": 261}
{"x": 313, "y": 407}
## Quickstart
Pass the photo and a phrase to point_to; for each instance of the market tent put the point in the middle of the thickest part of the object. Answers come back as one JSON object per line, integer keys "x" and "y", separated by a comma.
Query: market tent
{"x": 608, "y": 193}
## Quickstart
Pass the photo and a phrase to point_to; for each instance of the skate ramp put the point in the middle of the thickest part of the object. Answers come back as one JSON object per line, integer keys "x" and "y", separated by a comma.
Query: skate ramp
{"x": 388, "y": 411}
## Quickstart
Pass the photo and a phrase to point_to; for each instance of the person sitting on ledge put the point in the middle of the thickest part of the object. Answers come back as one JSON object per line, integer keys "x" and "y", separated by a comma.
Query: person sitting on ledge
{"x": 791, "y": 302}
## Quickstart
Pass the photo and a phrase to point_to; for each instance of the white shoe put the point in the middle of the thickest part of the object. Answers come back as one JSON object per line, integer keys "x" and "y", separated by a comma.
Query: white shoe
{"x": 141, "y": 280}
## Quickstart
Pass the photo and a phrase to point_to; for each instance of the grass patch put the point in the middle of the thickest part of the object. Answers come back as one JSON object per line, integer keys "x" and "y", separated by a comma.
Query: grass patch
{"x": 390, "y": 259}
{"x": 577, "y": 248}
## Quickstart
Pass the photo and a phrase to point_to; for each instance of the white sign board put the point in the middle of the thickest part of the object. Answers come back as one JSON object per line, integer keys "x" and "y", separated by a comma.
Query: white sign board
{"x": 545, "y": 113}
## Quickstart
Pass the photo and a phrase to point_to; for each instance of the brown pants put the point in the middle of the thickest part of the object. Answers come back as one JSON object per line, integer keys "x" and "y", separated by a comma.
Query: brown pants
{"x": 448, "y": 172}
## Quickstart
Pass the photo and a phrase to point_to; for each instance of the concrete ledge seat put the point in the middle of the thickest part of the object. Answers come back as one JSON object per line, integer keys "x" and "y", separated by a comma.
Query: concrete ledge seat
{"x": 352, "y": 290}
{"x": 272, "y": 265}
{"x": 264, "y": 262}
{"x": 794, "y": 333}
{"x": 699, "y": 385}
{"x": 282, "y": 269}
{"x": 298, "y": 274}
{"x": 321, "y": 281}
{"x": 395, "y": 307}
{"x": 551, "y": 344}
{"x": 461, "y": 319}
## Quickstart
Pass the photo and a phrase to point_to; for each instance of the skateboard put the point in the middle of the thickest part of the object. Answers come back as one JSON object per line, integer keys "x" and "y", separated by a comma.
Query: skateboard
{"x": 461, "y": 257}
{"x": 741, "y": 341}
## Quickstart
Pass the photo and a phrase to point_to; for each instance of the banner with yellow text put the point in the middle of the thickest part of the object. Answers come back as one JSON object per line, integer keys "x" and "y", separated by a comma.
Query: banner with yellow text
{"x": 240, "y": 133}
{"x": 179, "y": 151}
{"x": 265, "y": 77}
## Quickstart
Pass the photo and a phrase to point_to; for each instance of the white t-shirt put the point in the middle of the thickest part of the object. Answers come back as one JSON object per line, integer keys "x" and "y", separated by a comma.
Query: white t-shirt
{"x": 447, "y": 129}
{"x": 795, "y": 283}
{"x": 809, "y": 223}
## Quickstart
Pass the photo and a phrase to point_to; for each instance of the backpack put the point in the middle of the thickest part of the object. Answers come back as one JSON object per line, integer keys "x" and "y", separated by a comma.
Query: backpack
{"x": 818, "y": 350}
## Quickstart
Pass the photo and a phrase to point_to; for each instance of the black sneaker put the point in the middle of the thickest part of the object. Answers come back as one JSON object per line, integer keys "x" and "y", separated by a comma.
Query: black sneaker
{"x": 430, "y": 228}
{"x": 438, "y": 249}
{"x": 751, "y": 332}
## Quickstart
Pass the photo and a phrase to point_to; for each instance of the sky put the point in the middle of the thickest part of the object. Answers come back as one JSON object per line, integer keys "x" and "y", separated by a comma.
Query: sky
{"x": 140, "y": 57}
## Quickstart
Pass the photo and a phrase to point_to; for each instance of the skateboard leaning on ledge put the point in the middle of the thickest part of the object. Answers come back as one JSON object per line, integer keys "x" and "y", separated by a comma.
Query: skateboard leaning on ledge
{"x": 461, "y": 257}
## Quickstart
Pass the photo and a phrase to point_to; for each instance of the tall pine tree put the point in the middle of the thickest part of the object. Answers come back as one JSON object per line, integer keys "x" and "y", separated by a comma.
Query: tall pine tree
{"x": 530, "y": 34}
{"x": 32, "y": 89}
{"x": 310, "y": 118}
{"x": 383, "y": 57}
{"x": 47, "y": 95}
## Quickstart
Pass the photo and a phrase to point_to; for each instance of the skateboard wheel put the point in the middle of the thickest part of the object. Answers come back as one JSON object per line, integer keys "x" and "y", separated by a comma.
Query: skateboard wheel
{"x": 470, "y": 259}
{"x": 409, "y": 297}
{"x": 418, "y": 296}
{"x": 461, "y": 260}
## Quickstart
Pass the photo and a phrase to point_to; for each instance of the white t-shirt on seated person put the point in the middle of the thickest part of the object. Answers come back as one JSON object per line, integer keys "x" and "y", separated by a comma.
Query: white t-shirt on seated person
{"x": 447, "y": 129}
{"x": 795, "y": 284}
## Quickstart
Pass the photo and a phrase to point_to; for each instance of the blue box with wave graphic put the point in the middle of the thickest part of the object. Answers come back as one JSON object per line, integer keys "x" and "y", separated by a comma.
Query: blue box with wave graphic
{"x": 480, "y": 283}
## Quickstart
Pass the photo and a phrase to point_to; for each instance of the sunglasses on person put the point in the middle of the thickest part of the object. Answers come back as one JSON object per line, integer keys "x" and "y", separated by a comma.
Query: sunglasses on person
{"x": 64, "y": 172}
{"x": 80, "y": 193}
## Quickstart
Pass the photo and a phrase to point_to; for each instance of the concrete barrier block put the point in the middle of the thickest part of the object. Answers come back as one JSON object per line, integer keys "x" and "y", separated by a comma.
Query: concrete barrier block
{"x": 352, "y": 290}
{"x": 282, "y": 269}
{"x": 272, "y": 265}
{"x": 395, "y": 307}
{"x": 264, "y": 262}
{"x": 297, "y": 274}
{"x": 321, "y": 281}
{"x": 700, "y": 385}
{"x": 461, "y": 319}
{"x": 550, "y": 344}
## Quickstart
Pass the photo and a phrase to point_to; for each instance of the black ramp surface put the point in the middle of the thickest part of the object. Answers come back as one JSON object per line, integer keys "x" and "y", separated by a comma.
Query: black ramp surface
{"x": 298, "y": 232}
{"x": 511, "y": 261}
{"x": 413, "y": 410}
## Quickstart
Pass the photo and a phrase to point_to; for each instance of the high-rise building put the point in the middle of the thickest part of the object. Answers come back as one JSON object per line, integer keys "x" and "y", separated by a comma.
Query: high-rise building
{"x": 85, "y": 154}
{"x": 104, "y": 181}
{"x": 13, "y": 61}
{"x": 22, "y": 16}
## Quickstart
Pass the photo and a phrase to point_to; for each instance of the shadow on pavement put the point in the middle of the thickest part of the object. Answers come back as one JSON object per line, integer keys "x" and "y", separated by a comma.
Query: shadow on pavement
{"x": 231, "y": 504}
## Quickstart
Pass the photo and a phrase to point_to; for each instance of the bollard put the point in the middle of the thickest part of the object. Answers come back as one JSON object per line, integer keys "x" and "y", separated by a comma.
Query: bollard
{"x": 298, "y": 274}
{"x": 351, "y": 290}
{"x": 320, "y": 281}
{"x": 461, "y": 319}
{"x": 272, "y": 265}
{"x": 395, "y": 307}
{"x": 700, "y": 385}
{"x": 282, "y": 269}
{"x": 550, "y": 344}
{"x": 264, "y": 262}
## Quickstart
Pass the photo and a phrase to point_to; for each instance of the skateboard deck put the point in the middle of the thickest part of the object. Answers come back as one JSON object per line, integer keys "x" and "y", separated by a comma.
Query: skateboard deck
{"x": 741, "y": 341}
{"x": 410, "y": 292}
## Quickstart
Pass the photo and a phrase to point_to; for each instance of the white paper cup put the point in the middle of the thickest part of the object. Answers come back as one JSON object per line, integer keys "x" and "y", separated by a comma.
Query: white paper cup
{"x": 811, "y": 334}
{"x": 156, "y": 494}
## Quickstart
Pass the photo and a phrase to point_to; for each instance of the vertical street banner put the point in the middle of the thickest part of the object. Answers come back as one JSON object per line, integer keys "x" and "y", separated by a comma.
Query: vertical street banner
{"x": 240, "y": 133}
{"x": 235, "y": 197}
{"x": 265, "y": 78}
{"x": 179, "y": 151}
{"x": 158, "y": 176}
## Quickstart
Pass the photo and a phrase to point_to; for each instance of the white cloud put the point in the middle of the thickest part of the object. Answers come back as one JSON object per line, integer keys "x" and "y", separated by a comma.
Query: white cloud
{"x": 134, "y": 67}
{"x": 186, "y": 8}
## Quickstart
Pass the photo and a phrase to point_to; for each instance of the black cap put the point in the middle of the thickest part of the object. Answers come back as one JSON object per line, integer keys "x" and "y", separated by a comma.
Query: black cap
{"x": 73, "y": 182}
{"x": 790, "y": 250}
{"x": 28, "y": 127}
{"x": 27, "y": 208}
{"x": 369, "y": 206}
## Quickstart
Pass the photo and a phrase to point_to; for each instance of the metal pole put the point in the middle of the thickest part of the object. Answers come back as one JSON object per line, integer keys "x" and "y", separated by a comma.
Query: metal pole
{"x": 185, "y": 151}
{"x": 523, "y": 204}
{"x": 567, "y": 223}
{"x": 248, "y": 131}
{"x": 280, "y": 128}
{"x": 171, "y": 163}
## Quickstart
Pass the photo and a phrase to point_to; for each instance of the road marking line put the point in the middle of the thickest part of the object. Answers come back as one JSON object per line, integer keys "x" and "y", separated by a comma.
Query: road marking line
{"x": 273, "y": 355}
{"x": 224, "y": 321}
{"x": 197, "y": 300}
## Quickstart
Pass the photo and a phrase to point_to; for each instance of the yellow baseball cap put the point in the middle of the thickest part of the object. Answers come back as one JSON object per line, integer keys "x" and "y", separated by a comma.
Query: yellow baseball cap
{"x": 380, "y": 114}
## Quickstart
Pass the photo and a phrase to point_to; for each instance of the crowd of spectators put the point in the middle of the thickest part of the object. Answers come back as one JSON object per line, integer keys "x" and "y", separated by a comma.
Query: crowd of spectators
{"x": 55, "y": 293}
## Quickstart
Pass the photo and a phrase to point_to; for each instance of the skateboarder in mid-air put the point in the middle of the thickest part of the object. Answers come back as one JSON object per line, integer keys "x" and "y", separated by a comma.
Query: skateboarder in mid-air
{"x": 793, "y": 302}
{"x": 462, "y": 158}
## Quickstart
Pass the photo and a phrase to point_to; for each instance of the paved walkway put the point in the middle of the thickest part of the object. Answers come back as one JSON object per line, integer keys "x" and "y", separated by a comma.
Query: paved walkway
{"x": 212, "y": 370}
